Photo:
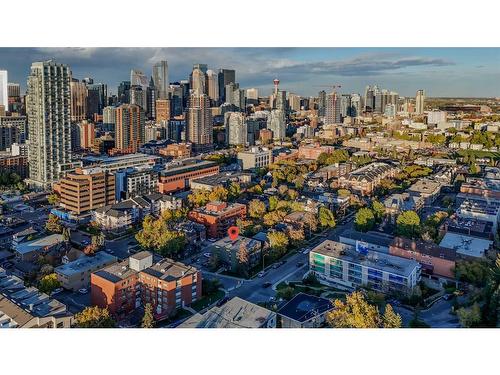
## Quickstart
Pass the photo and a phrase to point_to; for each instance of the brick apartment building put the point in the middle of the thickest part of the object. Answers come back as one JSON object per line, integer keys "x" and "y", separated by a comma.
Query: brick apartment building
{"x": 124, "y": 286}
{"x": 14, "y": 164}
{"x": 86, "y": 189}
{"x": 179, "y": 177}
{"x": 313, "y": 151}
{"x": 365, "y": 179}
{"x": 177, "y": 150}
{"x": 218, "y": 217}
{"x": 434, "y": 259}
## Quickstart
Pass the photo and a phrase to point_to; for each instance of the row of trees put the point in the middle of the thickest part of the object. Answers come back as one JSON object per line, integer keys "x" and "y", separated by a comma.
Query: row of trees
{"x": 201, "y": 197}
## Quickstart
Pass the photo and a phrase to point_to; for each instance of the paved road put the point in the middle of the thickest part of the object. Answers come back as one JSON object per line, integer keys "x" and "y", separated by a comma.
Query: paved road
{"x": 437, "y": 316}
{"x": 120, "y": 247}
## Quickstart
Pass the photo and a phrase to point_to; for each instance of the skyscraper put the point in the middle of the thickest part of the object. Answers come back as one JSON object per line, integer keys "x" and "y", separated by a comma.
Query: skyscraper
{"x": 124, "y": 92}
{"x": 356, "y": 105}
{"x": 199, "y": 126}
{"x": 369, "y": 99}
{"x": 160, "y": 79}
{"x": 79, "y": 96}
{"x": 253, "y": 96}
{"x": 48, "y": 108}
{"x": 213, "y": 85}
{"x": 198, "y": 81}
{"x": 162, "y": 110}
{"x": 333, "y": 108}
{"x": 420, "y": 102}
{"x": 236, "y": 128}
{"x": 129, "y": 128}
{"x": 138, "y": 78}
{"x": 322, "y": 103}
{"x": 101, "y": 93}
{"x": 14, "y": 90}
{"x": 4, "y": 94}
{"x": 294, "y": 102}
{"x": 276, "y": 123}
{"x": 226, "y": 76}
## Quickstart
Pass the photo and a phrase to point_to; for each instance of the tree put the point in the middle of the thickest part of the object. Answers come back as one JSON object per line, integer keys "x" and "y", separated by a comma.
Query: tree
{"x": 53, "y": 199}
{"x": 277, "y": 240}
{"x": 155, "y": 235}
{"x": 234, "y": 190}
{"x": 469, "y": 317}
{"x": 364, "y": 220}
{"x": 273, "y": 217}
{"x": 407, "y": 224}
{"x": 326, "y": 218}
{"x": 378, "y": 210}
{"x": 356, "y": 312}
{"x": 198, "y": 198}
{"x": 148, "y": 320}
{"x": 310, "y": 222}
{"x": 273, "y": 202}
{"x": 94, "y": 317}
{"x": 219, "y": 193}
{"x": 53, "y": 224}
{"x": 256, "y": 209}
{"x": 48, "y": 283}
{"x": 343, "y": 193}
{"x": 296, "y": 235}
{"x": 390, "y": 318}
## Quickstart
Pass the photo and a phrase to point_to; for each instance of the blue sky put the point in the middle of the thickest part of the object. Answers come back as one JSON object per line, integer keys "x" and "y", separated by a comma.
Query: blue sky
{"x": 440, "y": 71}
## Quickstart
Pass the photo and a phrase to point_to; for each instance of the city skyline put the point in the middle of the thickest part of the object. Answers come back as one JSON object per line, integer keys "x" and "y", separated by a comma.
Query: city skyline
{"x": 443, "y": 72}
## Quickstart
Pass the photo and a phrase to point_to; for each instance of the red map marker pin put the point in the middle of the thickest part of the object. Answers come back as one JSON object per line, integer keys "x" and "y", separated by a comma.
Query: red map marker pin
{"x": 233, "y": 233}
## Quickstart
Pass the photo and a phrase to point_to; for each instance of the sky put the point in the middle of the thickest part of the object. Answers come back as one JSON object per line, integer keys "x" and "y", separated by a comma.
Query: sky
{"x": 451, "y": 72}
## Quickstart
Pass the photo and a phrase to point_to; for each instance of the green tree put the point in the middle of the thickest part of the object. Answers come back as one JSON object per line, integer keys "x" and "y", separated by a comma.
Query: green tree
{"x": 243, "y": 260}
{"x": 53, "y": 199}
{"x": 364, "y": 220}
{"x": 234, "y": 191}
{"x": 53, "y": 224}
{"x": 219, "y": 193}
{"x": 273, "y": 202}
{"x": 326, "y": 218}
{"x": 48, "y": 283}
{"x": 148, "y": 320}
{"x": 378, "y": 210}
{"x": 155, "y": 235}
{"x": 278, "y": 241}
{"x": 356, "y": 312}
{"x": 256, "y": 209}
{"x": 469, "y": 317}
{"x": 94, "y": 317}
{"x": 407, "y": 224}
{"x": 198, "y": 198}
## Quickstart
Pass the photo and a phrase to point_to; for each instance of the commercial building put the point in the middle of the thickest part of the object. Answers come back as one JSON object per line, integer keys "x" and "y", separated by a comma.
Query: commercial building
{"x": 113, "y": 163}
{"x": 86, "y": 189}
{"x": 312, "y": 151}
{"x": 225, "y": 77}
{"x": 79, "y": 94}
{"x": 160, "y": 79}
{"x": 350, "y": 267}
{"x": 218, "y": 217}
{"x": 48, "y": 111}
{"x": 276, "y": 123}
{"x": 365, "y": 179}
{"x": 255, "y": 157}
{"x": 199, "y": 122}
{"x": 27, "y": 307}
{"x": 162, "y": 110}
{"x": 436, "y": 261}
{"x": 304, "y": 311}
{"x": 221, "y": 179}
{"x": 76, "y": 274}
{"x": 178, "y": 177}
{"x": 129, "y": 128}
{"x": 134, "y": 282}
{"x": 420, "y": 102}
{"x": 235, "y": 313}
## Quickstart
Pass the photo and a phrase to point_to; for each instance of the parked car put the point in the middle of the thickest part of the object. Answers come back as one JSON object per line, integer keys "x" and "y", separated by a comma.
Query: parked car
{"x": 300, "y": 264}
{"x": 222, "y": 301}
{"x": 83, "y": 291}
{"x": 207, "y": 255}
{"x": 267, "y": 284}
{"x": 306, "y": 250}
{"x": 56, "y": 291}
{"x": 261, "y": 274}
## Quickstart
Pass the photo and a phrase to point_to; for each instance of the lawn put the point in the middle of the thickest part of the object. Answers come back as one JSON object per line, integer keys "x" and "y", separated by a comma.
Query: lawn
{"x": 206, "y": 301}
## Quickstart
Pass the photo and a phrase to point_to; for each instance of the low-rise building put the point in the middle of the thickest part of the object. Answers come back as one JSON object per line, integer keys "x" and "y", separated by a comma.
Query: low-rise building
{"x": 483, "y": 187}
{"x": 256, "y": 157}
{"x": 27, "y": 307}
{"x": 466, "y": 247}
{"x": 436, "y": 261}
{"x": 134, "y": 282}
{"x": 177, "y": 150}
{"x": 178, "y": 177}
{"x": 365, "y": 179}
{"x": 29, "y": 251}
{"x": 235, "y": 313}
{"x": 121, "y": 216}
{"x": 314, "y": 150}
{"x": 344, "y": 266}
{"x": 475, "y": 207}
{"x": 218, "y": 217}
{"x": 76, "y": 274}
{"x": 304, "y": 311}
{"x": 369, "y": 241}
{"x": 221, "y": 179}
{"x": 227, "y": 251}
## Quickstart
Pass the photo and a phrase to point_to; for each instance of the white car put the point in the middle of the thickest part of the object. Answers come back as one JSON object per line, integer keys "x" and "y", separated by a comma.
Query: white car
{"x": 306, "y": 250}
{"x": 83, "y": 291}
{"x": 207, "y": 255}
{"x": 56, "y": 291}
{"x": 261, "y": 274}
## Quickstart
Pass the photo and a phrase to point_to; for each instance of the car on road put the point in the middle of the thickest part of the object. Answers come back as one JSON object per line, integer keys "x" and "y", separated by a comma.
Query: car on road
{"x": 267, "y": 284}
{"x": 448, "y": 296}
{"x": 207, "y": 255}
{"x": 212, "y": 239}
{"x": 83, "y": 291}
{"x": 299, "y": 264}
{"x": 56, "y": 291}
{"x": 306, "y": 250}
{"x": 109, "y": 251}
{"x": 261, "y": 274}
{"x": 7, "y": 265}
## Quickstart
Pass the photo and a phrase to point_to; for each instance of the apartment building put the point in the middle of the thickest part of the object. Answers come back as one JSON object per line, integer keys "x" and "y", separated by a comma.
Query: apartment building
{"x": 86, "y": 189}
{"x": 113, "y": 163}
{"x": 365, "y": 179}
{"x": 256, "y": 157}
{"x": 132, "y": 182}
{"x": 218, "y": 217}
{"x": 76, "y": 274}
{"x": 177, "y": 150}
{"x": 349, "y": 267}
{"x": 166, "y": 285}
{"x": 314, "y": 150}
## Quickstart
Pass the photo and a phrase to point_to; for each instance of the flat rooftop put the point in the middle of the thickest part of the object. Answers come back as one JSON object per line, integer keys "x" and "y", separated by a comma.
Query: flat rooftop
{"x": 170, "y": 270}
{"x": 236, "y": 313}
{"x": 373, "y": 259}
{"x": 304, "y": 307}
{"x": 39, "y": 244}
{"x": 221, "y": 178}
{"x": 116, "y": 271}
{"x": 466, "y": 245}
{"x": 189, "y": 167}
{"x": 425, "y": 186}
{"x": 371, "y": 237}
{"x": 86, "y": 263}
